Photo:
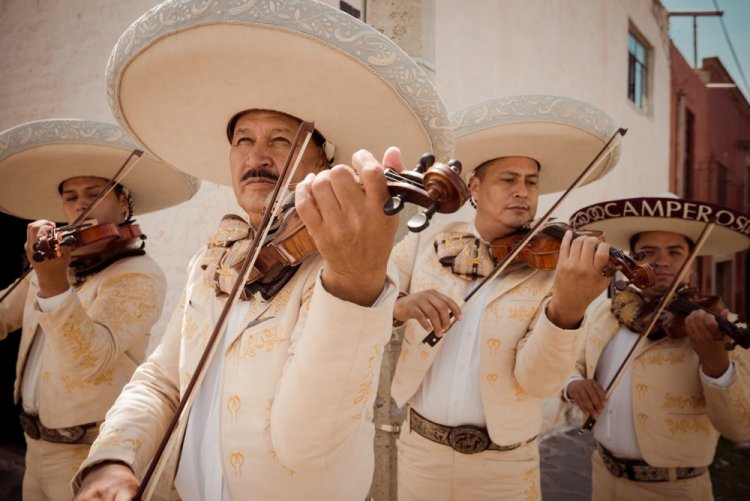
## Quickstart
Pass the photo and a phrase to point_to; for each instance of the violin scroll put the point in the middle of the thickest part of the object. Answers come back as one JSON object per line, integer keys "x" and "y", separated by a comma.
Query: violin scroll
{"x": 436, "y": 186}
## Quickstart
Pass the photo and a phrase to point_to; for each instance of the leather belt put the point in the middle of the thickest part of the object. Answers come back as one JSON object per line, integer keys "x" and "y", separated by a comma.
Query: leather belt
{"x": 466, "y": 439}
{"x": 37, "y": 431}
{"x": 640, "y": 471}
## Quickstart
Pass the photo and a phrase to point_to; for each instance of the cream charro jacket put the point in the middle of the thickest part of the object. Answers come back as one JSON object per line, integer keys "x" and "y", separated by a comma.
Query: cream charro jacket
{"x": 677, "y": 417}
{"x": 93, "y": 342}
{"x": 525, "y": 358}
{"x": 296, "y": 397}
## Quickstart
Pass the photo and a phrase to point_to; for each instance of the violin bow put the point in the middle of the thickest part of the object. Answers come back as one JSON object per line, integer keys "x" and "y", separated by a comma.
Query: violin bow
{"x": 145, "y": 491}
{"x": 124, "y": 169}
{"x": 590, "y": 420}
{"x": 432, "y": 339}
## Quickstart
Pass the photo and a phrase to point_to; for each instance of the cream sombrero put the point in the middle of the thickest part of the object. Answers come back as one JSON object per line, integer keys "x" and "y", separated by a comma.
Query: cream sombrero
{"x": 36, "y": 157}
{"x": 180, "y": 72}
{"x": 562, "y": 134}
{"x": 621, "y": 219}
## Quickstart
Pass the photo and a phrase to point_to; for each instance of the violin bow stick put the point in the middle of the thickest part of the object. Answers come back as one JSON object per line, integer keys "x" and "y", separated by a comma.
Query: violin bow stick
{"x": 146, "y": 487}
{"x": 121, "y": 172}
{"x": 432, "y": 339}
{"x": 590, "y": 420}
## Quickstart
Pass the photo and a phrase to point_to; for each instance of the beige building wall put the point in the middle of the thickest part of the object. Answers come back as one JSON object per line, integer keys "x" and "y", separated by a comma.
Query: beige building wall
{"x": 573, "y": 48}
{"x": 53, "y": 55}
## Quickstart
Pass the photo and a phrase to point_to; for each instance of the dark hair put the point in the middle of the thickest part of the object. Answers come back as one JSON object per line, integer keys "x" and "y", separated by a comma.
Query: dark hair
{"x": 317, "y": 137}
{"x": 479, "y": 171}
{"x": 634, "y": 240}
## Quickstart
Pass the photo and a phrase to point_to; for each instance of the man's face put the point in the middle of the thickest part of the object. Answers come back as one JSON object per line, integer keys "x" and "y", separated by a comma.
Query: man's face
{"x": 79, "y": 192}
{"x": 260, "y": 145}
{"x": 668, "y": 251}
{"x": 506, "y": 195}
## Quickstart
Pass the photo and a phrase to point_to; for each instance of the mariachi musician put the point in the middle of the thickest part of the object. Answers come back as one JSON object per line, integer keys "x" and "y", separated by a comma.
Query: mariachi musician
{"x": 87, "y": 312}
{"x": 657, "y": 427}
{"x": 475, "y": 397}
{"x": 285, "y": 408}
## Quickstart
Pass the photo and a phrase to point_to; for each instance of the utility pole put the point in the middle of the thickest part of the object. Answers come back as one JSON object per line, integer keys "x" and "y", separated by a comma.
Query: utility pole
{"x": 695, "y": 14}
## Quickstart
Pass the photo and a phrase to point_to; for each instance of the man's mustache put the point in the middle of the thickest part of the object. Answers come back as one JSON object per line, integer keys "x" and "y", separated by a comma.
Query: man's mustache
{"x": 260, "y": 173}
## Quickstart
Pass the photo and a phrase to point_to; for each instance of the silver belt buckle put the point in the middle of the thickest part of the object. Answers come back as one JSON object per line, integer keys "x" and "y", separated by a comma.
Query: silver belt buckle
{"x": 468, "y": 440}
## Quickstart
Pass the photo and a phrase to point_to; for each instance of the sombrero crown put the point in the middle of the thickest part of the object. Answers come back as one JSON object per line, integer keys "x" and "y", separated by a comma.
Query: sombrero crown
{"x": 621, "y": 220}
{"x": 36, "y": 157}
{"x": 181, "y": 71}
{"x": 562, "y": 134}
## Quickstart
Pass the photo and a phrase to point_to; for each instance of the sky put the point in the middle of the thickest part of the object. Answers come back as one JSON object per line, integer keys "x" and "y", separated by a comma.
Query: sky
{"x": 711, "y": 39}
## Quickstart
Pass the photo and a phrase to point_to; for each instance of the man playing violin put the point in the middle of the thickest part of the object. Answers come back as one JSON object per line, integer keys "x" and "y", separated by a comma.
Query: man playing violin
{"x": 86, "y": 318}
{"x": 656, "y": 431}
{"x": 475, "y": 397}
{"x": 285, "y": 408}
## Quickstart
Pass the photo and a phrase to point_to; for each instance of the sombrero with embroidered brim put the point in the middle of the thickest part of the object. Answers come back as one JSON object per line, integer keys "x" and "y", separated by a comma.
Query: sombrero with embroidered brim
{"x": 180, "y": 73}
{"x": 562, "y": 134}
{"x": 36, "y": 157}
{"x": 621, "y": 219}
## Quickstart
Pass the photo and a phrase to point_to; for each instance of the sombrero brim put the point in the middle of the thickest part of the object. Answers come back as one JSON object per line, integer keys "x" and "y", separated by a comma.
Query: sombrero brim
{"x": 562, "y": 134}
{"x": 175, "y": 85}
{"x": 620, "y": 220}
{"x": 37, "y": 156}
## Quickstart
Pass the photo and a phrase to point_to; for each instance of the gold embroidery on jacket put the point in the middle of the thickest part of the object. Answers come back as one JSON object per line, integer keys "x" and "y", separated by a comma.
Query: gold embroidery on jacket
{"x": 113, "y": 439}
{"x": 641, "y": 389}
{"x": 518, "y": 392}
{"x": 493, "y": 344}
{"x": 681, "y": 401}
{"x": 531, "y": 492}
{"x": 522, "y": 313}
{"x": 698, "y": 425}
{"x": 365, "y": 386}
{"x": 233, "y": 406}
{"x": 661, "y": 358}
{"x": 103, "y": 378}
{"x": 237, "y": 460}
{"x": 492, "y": 377}
{"x": 642, "y": 417}
{"x": 77, "y": 332}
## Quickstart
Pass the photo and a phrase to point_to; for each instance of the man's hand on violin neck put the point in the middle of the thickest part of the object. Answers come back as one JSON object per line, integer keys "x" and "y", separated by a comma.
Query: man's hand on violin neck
{"x": 588, "y": 395}
{"x": 343, "y": 213}
{"x": 578, "y": 279}
{"x": 701, "y": 328}
{"x": 52, "y": 274}
{"x": 430, "y": 308}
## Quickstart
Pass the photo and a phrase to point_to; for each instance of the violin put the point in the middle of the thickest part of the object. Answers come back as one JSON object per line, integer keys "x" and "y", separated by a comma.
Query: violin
{"x": 436, "y": 186}
{"x": 672, "y": 322}
{"x": 543, "y": 251}
{"x": 86, "y": 240}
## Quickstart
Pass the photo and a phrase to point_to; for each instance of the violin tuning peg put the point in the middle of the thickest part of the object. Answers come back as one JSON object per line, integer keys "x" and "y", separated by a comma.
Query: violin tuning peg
{"x": 456, "y": 165}
{"x": 393, "y": 205}
{"x": 68, "y": 240}
{"x": 37, "y": 256}
{"x": 425, "y": 162}
{"x": 621, "y": 285}
{"x": 730, "y": 346}
{"x": 421, "y": 220}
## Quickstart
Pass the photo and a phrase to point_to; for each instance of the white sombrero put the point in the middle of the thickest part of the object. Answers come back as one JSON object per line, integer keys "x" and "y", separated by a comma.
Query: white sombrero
{"x": 621, "y": 219}
{"x": 181, "y": 71}
{"x": 36, "y": 157}
{"x": 562, "y": 134}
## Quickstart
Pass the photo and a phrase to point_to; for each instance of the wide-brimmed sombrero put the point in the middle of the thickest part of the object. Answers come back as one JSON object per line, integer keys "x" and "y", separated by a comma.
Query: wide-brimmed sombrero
{"x": 186, "y": 67}
{"x": 36, "y": 157}
{"x": 562, "y": 134}
{"x": 621, "y": 219}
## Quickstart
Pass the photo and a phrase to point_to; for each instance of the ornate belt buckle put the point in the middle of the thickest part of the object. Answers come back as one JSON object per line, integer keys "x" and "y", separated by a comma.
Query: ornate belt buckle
{"x": 468, "y": 439}
{"x": 29, "y": 426}
{"x": 63, "y": 435}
